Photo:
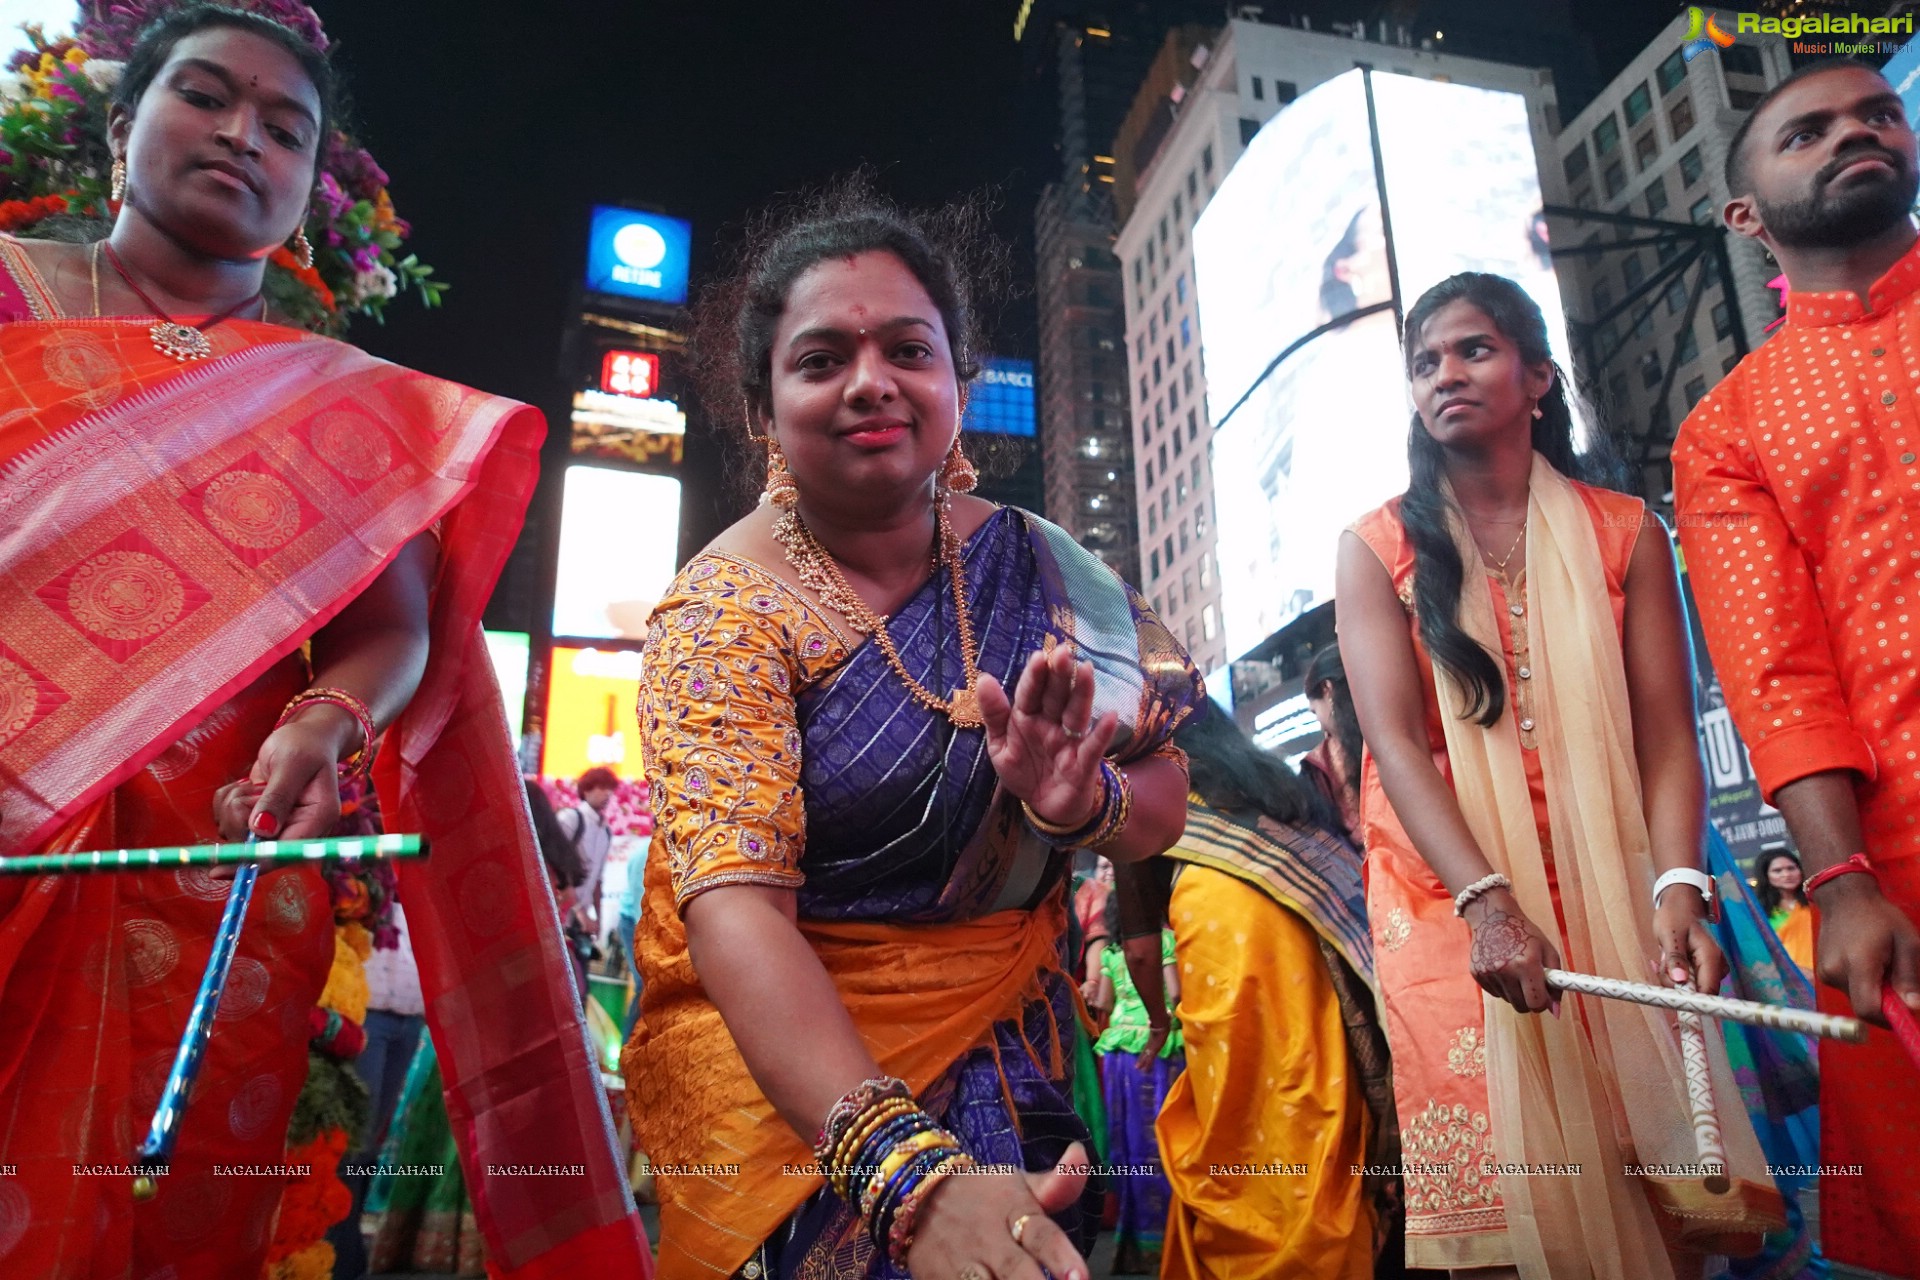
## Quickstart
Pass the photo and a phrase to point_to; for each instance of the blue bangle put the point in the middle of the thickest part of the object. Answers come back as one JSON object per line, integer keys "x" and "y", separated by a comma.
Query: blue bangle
{"x": 900, "y": 1186}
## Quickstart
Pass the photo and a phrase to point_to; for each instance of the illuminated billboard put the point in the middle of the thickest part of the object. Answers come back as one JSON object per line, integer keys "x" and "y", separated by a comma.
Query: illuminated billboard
{"x": 631, "y": 254}
{"x": 592, "y": 697}
{"x": 630, "y": 373}
{"x": 1000, "y": 401}
{"x": 1305, "y": 383}
{"x": 619, "y": 549}
{"x": 511, "y": 652}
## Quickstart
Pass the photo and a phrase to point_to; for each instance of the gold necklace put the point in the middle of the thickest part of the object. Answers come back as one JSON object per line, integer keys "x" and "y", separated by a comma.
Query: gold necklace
{"x": 820, "y": 573}
{"x": 1500, "y": 565}
{"x": 170, "y": 337}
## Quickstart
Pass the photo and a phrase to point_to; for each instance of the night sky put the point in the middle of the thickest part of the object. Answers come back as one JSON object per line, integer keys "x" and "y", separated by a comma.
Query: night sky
{"x": 502, "y": 121}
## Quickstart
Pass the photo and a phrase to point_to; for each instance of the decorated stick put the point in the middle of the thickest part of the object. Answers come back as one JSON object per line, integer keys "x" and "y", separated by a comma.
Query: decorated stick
{"x": 1906, "y": 1029}
{"x": 265, "y": 853}
{"x": 1750, "y": 1012}
{"x": 1706, "y": 1120}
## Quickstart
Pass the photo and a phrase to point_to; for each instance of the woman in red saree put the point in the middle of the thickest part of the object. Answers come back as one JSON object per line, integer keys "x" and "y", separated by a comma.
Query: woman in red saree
{"x": 186, "y": 544}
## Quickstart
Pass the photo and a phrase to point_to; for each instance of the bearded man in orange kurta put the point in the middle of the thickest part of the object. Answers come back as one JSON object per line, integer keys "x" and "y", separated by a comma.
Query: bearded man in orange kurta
{"x": 1798, "y": 484}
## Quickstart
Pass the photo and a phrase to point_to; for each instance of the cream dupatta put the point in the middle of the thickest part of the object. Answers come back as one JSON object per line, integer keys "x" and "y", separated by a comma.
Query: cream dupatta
{"x": 1602, "y": 1085}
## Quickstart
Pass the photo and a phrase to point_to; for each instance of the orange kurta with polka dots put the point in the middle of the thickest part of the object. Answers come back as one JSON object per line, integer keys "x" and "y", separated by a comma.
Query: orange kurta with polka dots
{"x": 1798, "y": 490}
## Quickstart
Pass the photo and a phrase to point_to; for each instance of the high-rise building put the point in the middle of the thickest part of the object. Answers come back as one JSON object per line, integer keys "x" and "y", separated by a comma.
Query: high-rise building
{"x": 1202, "y": 103}
{"x": 1090, "y": 58}
{"x": 1653, "y": 145}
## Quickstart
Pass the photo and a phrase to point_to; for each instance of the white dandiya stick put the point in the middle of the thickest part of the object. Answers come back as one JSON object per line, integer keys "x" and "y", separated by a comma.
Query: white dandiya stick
{"x": 1706, "y": 1120}
{"x": 1751, "y": 1012}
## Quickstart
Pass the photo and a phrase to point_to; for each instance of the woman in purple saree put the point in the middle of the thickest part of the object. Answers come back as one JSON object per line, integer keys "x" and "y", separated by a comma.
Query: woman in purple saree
{"x": 913, "y": 847}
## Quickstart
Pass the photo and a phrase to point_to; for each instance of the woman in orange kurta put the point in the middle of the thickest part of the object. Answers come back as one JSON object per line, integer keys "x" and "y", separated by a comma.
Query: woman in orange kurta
{"x": 1533, "y": 779}
{"x": 187, "y": 509}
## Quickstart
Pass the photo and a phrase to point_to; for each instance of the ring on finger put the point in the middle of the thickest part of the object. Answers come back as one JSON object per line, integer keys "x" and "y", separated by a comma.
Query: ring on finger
{"x": 1019, "y": 1228}
{"x": 974, "y": 1271}
{"x": 1074, "y": 735}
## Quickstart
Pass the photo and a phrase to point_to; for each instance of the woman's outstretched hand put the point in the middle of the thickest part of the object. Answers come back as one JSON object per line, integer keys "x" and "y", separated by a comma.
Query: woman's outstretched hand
{"x": 1042, "y": 741}
{"x": 967, "y": 1227}
{"x": 1510, "y": 954}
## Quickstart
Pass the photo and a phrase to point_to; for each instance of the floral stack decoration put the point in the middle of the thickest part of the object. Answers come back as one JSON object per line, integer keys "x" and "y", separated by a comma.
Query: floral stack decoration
{"x": 331, "y": 1110}
{"x": 55, "y": 168}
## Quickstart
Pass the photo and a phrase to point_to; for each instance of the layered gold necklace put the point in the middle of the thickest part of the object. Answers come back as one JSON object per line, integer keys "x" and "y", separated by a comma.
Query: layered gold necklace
{"x": 820, "y": 573}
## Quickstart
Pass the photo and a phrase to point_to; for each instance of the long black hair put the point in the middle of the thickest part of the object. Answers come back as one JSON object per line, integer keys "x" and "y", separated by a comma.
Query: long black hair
{"x": 1763, "y": 881}
{"x": 1228, "y": 772}
{"x": 1326, "y": 671}
{"x": 949, "y": 250}
{"x": 1438, "y": 571}
{"x": 562, "y": 856}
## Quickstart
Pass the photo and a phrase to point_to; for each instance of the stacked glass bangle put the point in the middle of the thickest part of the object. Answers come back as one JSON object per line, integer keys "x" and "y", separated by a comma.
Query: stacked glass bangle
{"x": 883, "y": 1155}
{"x": 360, "y": 763}
{"x": 1108, "y": 821}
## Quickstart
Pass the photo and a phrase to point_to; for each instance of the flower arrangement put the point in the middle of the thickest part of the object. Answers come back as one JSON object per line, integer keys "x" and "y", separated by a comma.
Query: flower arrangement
{"x": 54, "y": 162}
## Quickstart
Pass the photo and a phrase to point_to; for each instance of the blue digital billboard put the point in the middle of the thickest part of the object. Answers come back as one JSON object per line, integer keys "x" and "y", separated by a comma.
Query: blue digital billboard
{"x": 638, "y": 255}
{"x": 1001, "y": 400}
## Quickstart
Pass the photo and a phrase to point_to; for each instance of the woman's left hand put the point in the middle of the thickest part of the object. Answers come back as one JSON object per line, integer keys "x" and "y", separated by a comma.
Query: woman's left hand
{"x": 1687, "y": 949}
{"x": 1156, "y": 1041}
{"x": 1041, "y": 742}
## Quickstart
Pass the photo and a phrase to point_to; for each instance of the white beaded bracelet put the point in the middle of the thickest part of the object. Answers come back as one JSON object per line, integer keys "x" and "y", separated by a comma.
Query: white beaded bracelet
{"x": 1466, "y": 896}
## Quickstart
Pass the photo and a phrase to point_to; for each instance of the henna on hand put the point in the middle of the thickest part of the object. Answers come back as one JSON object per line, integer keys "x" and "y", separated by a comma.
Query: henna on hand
{"x": 1498, "y": 940}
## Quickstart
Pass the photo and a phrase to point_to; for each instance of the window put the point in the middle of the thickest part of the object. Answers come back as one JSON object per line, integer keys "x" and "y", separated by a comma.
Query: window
{"x": 1156, "y": 371}
{"x": 1183, "y": 535}
{"x": 1659, "y": 424}
{"x": 1180, "y": 285}
{"x": 1150, "y": 260}
{"x": 1676, "y": 297}
{"x": 1140, "y": 349}
{"x": 1186, "y": 587}
{"x": 1614, "y": 178}
{"x": 1166, "y": 311}
{"x": 1247, "y": 129}
{"x": 1179, "y": 211}
{"x": 1606, "y": 136}
{"x": 1666, "y": 251}
{"x": 1193, "y": 423}
{"x": 1169, "y": 351}
{"x": 1149, "y": 473}
{"x": 1702, "y": 210}
{"x": 1583, "y": 197}
{"x": 1176, "y": 444}
{"x": 1657, "y": 195}
{"x": 1166, "y": 509}
{"x": 1206, "y": 158}
{"x": 1741, "y": 99}
{"x": 1193, "y": 185}
{"x": 1259, "y": 90}
{"x": 1742, "y": 60}
{"x": 1196, "y": 472}
{"x": 1689, "y": 348}
{"x": 1645, "y": 147}
{"x": 1159, "y": 415}
{"x": 1696, "y": 389}
{"x": 1617, "y": 391}
{"x": 1143, "y": 388}
{"x": 1639, "y": 104}
{"x": 1168, "y": 548}
{"x": 1672, "y": 73}
{"x": 1722, "y": 320}
{"x": 1576, "y": 162}
{"x": 1680, "y": 119}
{"x": 1650, "y": 369}
{"x": 1633, "y": 271}
{"x": 1285, "y": 91}
{"x": 1186, "y": 374}
{"x": 1163, "y": 231}
{"x": 1602, "y": 298}
{"x": 1153, "y": 330}
{"x": 1207, "y": 624}
{"x": 1154, "y": 566}
{"x": 1692, "y": 166}
{"x": 1206, "y": 570}
{"x": 1153, "y": 519}
{"x": 1173, "y": 396}
{"x": 1643, "y": 327}
{"x": 1200, "y": 522}
{"x": 1163, "y": 457}
{"x": 1186, "y": 332}
{"x": 1180, "y": 488}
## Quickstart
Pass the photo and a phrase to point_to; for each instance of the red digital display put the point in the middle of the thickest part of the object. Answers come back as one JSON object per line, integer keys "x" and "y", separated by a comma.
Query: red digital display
{"x": 630, "y": 373}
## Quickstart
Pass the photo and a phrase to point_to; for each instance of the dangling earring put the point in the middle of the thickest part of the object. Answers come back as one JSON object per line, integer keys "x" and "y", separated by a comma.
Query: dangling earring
{"x": 1537, "y": 415}
{"x": 303, "y": 249}
{"x": 118, "y": 180}
{"x": 958, "y": 475}
{"x": 780, "y": 489}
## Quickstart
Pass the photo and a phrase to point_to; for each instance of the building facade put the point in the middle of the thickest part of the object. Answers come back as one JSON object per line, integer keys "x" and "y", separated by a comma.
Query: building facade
{"x": 1653, "y": 145}
{"x": 1226, "y": 91}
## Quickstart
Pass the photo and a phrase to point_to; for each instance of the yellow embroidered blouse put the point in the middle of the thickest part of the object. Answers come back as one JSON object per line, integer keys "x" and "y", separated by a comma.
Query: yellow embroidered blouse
{"x": 728, "y": 651}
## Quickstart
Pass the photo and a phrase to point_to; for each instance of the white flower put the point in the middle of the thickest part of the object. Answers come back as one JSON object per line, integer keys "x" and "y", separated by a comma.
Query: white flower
{"x": 377, "y": 283}
{"x": 103, "y": 73}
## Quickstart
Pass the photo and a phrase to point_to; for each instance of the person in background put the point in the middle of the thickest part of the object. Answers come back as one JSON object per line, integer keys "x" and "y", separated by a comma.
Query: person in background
{"x": 1333, "y": 767}
{"x": 585, "y": 824}
{"x": 1794, "y": 489}
{"x": 1140, "y": 1057}
{"x": 629, "y": 921}
{"x": 1777, "y": 879}
{"x": 1286, "y": 1061}
{"x": 396, "y": 1015}
{"x": 565, "y": 873}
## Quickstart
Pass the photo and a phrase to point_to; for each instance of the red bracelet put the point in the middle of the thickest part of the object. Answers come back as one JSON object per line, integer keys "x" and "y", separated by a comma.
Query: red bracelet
{"x": 1856, "y": 864}
{"x": 360, "y": 763}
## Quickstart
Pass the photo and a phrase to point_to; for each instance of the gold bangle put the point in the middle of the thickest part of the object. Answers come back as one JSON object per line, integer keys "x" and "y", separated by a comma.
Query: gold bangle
{"x": 898, "y": 1159}
{"x": 863, "y": 1128}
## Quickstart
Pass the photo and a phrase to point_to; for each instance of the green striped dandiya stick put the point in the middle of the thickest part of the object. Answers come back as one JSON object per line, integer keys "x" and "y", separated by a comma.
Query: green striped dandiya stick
{"x": 262, "y": 853}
